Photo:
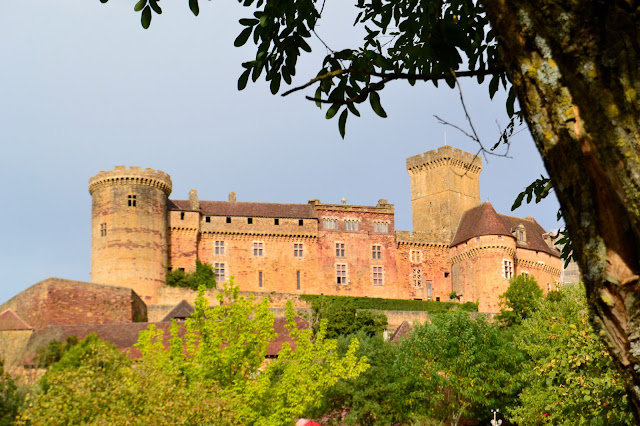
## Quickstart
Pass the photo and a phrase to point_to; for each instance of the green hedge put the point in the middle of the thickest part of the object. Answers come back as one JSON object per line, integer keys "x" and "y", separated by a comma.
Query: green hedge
{"x": 392, "y": 304}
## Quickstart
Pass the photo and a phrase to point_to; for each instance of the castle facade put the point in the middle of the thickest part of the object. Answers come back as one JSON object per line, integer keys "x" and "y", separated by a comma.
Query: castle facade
{"x": 457, "y": 244}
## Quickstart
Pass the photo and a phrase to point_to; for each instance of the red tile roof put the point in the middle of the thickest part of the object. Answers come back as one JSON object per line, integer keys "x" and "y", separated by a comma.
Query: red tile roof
{"x": 9, "y": 320}
{"x": 282, "y": 334}
{"x": 245, "y": 209}
{"x": 484, "y": 220}
{"x": 402, "y": 332}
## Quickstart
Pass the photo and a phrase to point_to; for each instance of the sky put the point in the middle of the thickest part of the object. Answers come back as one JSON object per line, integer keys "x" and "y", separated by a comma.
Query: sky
{"x": 84, "y": 88}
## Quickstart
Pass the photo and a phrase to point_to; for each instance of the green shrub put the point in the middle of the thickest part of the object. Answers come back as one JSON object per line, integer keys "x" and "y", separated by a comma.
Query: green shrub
{"x": 392, "y": 304}
{"x": 204, "y": 275}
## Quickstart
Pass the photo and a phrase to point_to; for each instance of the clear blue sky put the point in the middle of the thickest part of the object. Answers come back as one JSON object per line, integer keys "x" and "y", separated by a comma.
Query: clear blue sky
{"x": 84, "y": 88}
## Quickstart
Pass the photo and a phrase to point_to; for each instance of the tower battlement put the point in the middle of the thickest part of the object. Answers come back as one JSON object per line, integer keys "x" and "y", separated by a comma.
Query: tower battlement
{"x": 121, "y": 175}
{"x": 445, "y": 155}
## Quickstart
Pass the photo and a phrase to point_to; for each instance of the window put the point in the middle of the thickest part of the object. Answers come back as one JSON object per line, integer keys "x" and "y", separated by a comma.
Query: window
{"x": 329, "y": 223}
{"x": 416, "y": 277}
{"x": 341, "y": 273}
{"x": 219, "y": 248}
{"x": 380, "y": 227}
{"x": 298, "y": 280}
{"x": 103, "y": 229}
{"x": 260, "y": 283}
{"x": 300, "y": 222}
{"x": 207, "y": 219}
{"x": 219, "y": 270}
{"x": 377, "y": 275}
{"x": 258, "y": 248}
{"x": 548, "y": 287}
{"x": 249, "y": 220}
{"x": 228, "y": 219}
{"x": 351, "y": 225}
{"x": 131, "y": 200}
{"x": 446, "y": 274}
{"x": 298, "y": 249}
{"x": 415, "y": 256}
{"x": 376, "y": 251}
{"x": 339, "y": 249}
{"x": 276, "y": 221}
{"x": 181, "y": 215}
{"x": 525, "y": 273}
{"x": 429, "y": 290}
{"x": 507, "y": 269}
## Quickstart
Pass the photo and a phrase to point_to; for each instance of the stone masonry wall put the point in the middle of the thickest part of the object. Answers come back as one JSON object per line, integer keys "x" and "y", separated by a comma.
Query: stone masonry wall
{"x": 56, "y": 301}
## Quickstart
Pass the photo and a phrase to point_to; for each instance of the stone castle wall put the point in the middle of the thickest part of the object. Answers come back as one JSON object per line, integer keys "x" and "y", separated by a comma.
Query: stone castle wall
{"x": 129, "y": 228}
{"x": 56, "y": 301}
{"x": 444, "y": 184}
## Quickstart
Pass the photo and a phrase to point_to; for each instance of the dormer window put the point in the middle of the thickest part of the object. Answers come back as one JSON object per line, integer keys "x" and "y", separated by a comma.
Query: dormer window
{"x": 520, "y": 234}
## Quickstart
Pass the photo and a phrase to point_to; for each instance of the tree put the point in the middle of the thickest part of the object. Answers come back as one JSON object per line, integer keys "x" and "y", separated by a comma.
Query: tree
{"x": 569, "y": 378}
{"x": 373, "y": 397}
{"x": 344, "y": 319}
{"x": 458, "y": 366}
{"x": 573, "y": 67}
{"x": 520, "y": 300}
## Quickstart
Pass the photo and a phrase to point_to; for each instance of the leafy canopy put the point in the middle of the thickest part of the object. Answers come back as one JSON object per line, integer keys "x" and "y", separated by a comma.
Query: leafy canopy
{"x": 458, "y": 366}
{"x": 570, "y": 378}
{"x": 520, "y": 301}
{"x": 211, "y": 370}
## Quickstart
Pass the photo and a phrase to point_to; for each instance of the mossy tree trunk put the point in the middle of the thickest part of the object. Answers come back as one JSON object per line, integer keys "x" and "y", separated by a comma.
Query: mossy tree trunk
{"x": 575, "y": 67}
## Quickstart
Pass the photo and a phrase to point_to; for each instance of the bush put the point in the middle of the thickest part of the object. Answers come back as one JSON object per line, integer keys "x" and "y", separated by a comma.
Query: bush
{"x": 204, "y": 275}
{"x": 392, "y": 304}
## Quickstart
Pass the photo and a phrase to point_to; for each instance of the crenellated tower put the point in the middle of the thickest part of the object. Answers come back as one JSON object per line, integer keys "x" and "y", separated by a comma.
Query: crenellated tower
{"x": 444, "y": 184}
{"x": 129, "y": 229}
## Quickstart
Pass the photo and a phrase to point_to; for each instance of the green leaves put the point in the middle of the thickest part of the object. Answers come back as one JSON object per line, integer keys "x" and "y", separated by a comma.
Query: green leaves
{"x": 374, "y": 99}
{"x": 243, "y": 37}
{"x": 194, "y": 6}
{"x": 145, "y": 18}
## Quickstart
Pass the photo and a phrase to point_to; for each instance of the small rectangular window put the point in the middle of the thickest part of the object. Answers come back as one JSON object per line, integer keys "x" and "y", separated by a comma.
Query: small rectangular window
{"x": 249, "y": 220}
{"x": 260, "y": 279}
{"x": 429, "y": 289}
{"x": 437, "y": 299}
{"x": 181, "y": 269}
{"x": 416, "y": 277}
{"x": 219, "y": 269}
{"x": 219, "y": 248}
{"x": 380, "y": 227}
{"x": 376, "y": 251}
{"x": 258, "y": 248}
{"x": 228, "y": 219}
{"x": 377, "y": 274}
{"x": 351, "y": 225}
{"x": 300, "y": 222}
{"x": 131, "y": 199}
{"x": 298, "y": 249}
{"x": 276, "y": 221}
{"x": 339, "y": 249}
{"x": 181, "y": 215}
{"x": 298, "y": 280}
{"x": 415, "y": 256}
{"x": 329, "y": 223}
{"x": 207, "y": 219}
{"x": 103, "y": 229}
{"x": 341, "y": 273}
{"x": 507, "y": 269}
{"x": 446, "y": 274}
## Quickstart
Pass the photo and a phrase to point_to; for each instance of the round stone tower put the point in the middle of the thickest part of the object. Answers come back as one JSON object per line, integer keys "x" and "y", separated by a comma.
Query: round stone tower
{"x": 129, "y": 229}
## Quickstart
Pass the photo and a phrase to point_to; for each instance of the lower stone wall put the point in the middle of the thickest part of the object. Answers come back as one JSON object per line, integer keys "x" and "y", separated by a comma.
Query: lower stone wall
{"x": 12, "y": 347}
{"x": 395, "y": 318}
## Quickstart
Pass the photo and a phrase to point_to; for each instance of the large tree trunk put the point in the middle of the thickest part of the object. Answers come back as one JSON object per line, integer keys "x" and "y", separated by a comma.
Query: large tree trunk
{"x": 575, "y": 67}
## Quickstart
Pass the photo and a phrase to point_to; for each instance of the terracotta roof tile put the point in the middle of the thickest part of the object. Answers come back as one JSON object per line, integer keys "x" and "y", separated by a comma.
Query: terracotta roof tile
{"x": 9, "y": 320}
{"x": 483, "y": 220}
{"x": 181, "y": 311}
{"x": 480, "y": 220}
{"x": 282, "y": 334}
{"x": 245, "y": 209}
{"x": 402, "y": 332}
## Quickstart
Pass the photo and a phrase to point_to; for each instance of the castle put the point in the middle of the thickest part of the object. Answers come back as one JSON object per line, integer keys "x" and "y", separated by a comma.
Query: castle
{"x": 458, "y": 244}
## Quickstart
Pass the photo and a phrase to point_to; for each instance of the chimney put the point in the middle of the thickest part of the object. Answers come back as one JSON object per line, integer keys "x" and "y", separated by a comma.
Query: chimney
{"x": 232, "y": 196}
{"x": 193, "y": 199}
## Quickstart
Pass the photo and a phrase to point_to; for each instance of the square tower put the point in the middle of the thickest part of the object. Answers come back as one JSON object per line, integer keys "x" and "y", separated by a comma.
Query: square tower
{"x": 444, "y": 184}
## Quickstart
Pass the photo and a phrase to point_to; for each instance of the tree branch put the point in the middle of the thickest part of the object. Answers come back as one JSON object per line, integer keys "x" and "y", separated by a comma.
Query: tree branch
{"x": 398, "y": 76}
